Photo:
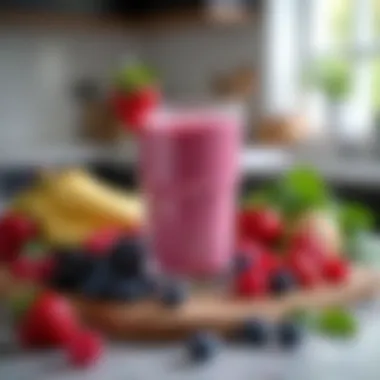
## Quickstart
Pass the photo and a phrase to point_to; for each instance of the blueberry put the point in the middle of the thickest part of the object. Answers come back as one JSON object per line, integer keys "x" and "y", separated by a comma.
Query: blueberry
{"x": 203, "y": 346}
{"x": 96, "y": 283}
{"x": 256, "y": 332}
{"x": 72, "y": 267}
{"x": 282, "y": 282}
{"x": 173, "y": 295}
{"x": 126, "y": 289}
{"x": 128, "y": 257}
{"x": 242, "y": 263}
{"x": 289, "y": 334}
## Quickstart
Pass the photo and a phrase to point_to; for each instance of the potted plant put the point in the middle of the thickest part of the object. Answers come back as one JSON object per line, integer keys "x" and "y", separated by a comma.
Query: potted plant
{"x": 334, "y": 78}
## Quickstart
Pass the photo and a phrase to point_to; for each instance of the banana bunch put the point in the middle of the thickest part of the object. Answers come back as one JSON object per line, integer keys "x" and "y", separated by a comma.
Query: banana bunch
{"x": 71, "y": 205}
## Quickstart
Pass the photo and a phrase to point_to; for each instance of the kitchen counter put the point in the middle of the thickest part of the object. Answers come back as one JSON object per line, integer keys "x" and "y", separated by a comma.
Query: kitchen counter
{"x": 317, "y": 359}
{"x": 361, "y": 168}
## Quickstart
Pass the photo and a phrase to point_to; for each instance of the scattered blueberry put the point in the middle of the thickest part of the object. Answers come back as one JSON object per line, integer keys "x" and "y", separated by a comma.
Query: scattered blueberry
{"x": 174, "y": 294}
{"x": 126, "y": 289}
{"x": 256, "y": 332}
{"x": 282, "y": 282}
{"x": 128, "y": 257}
{"x": 242, "y": 263}
{"x": 289, "y": 334}
{"x": 203, "y": 346}
{"x": 71, "y": 269}
{"x": 96, "y": 283}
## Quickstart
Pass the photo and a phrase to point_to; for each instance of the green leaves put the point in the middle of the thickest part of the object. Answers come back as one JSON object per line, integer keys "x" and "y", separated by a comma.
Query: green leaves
{"x": 302, "y": 189}
{"x": 299, "y": 190}
{"x": 336, "y": 323}
{"x": 334, "y": 76}
{"x": 333, "y": 322}
{"x": 134, "y": 76}
{"x": 354, "y": 219}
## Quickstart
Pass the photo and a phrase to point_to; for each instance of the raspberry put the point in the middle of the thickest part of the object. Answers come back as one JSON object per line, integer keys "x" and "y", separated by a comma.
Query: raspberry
{"x": 305, "y": 270}
{"x": 85, "y": 349}
{"x": 251, "y": 283}
{"x": 336, "y": 270}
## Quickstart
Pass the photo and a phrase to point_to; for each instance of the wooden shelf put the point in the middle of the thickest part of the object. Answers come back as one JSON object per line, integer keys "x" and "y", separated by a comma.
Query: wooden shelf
{"x": 217, "y": 17}
{"x": 62, "y": 20}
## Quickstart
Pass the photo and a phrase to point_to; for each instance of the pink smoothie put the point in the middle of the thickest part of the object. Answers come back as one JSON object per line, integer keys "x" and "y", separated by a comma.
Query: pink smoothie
{"x": 189, "y": 175}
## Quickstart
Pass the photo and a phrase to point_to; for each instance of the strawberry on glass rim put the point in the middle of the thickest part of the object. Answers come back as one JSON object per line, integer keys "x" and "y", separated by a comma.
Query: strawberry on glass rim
{"x": 136, "y": 94}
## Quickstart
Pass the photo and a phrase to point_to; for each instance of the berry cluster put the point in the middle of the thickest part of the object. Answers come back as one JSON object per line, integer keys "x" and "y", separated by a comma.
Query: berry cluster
{"x": 117, "y": 273}
{"x": 262, "y": 268}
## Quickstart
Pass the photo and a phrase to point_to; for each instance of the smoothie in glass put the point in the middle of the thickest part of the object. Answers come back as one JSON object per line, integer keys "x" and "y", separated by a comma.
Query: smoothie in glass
{"x": 189, "y": 174}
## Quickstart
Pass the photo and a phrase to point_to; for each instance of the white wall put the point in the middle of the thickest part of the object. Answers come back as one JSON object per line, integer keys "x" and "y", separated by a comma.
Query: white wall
{"x": 37, "y": 71}
{"x": 38, "y": 68}
{"x": 189, "y": 58}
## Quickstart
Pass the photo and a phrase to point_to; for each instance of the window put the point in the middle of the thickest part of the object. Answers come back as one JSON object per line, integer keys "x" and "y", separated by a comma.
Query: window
{"x": 348, "y": 31}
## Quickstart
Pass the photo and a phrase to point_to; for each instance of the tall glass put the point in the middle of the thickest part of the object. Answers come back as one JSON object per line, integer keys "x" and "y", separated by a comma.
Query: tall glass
{"x": 189, "y": 173}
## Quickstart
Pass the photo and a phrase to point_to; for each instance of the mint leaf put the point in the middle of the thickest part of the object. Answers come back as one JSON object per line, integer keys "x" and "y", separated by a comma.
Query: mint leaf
{"x": 355, "y": 218}
{"x": 302, "y": 189}
{"x": 336, "y": 322}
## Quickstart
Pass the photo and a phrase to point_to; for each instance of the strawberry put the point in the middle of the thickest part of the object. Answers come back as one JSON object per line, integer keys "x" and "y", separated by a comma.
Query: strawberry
{"x": 336, "y": 270}
{"x": 15, "y": 231}
{"x": 85, "y": 349}
{"x": 19, "y": 227}
{"x": 50, "y": 321}
{"x": 9, "y": 249}
{"x": 132, "y": 108}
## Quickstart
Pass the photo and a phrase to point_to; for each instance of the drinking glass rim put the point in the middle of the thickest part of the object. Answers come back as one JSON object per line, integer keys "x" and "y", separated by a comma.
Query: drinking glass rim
{"x": 192, "y": 113}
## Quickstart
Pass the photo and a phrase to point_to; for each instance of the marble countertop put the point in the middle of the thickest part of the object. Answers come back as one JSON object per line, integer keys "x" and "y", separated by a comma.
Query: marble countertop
{"x": 317, "y": 359}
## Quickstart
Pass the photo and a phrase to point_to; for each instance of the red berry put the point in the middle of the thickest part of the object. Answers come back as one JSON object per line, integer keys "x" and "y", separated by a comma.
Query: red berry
{"x": 45, "y": 269}
{"x": 9, "y": 249}
{"x": 51, "y": 319}
{"x": 305, "y": 269}
{"x": 31, "y": 337}
{"x": 101, "y": 242}
{"x": 85, "y": 349}
{"x": 251, "y": 284}
{"x": 24, "y": 268}
{"x": 19, "y": 227}
{"x": 336, "y": 270}
{"x": 263, "y": 225}
{"x": 271, "y": 262}
{"x": 133, "y": 108}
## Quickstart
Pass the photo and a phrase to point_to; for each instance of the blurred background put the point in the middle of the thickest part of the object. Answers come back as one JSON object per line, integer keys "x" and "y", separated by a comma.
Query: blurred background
{"x": 306, "y": 72}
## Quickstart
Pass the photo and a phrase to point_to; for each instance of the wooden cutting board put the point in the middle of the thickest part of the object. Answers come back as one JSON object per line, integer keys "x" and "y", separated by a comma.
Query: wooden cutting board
{"x": 210, "y": 309}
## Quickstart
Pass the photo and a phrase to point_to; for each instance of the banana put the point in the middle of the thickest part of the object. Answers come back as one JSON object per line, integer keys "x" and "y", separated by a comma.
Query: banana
{"x": 86, "y": 195}
{"x": 69, "y": 206}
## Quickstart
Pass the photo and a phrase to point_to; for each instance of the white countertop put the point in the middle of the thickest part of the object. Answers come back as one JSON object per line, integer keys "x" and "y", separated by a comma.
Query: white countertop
{"x": 317, "y": 359}
{"x": 361, "y": 170}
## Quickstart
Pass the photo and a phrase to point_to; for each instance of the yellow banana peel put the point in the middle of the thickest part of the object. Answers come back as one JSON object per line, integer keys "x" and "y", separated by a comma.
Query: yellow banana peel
{"x": 71, "y": 205}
